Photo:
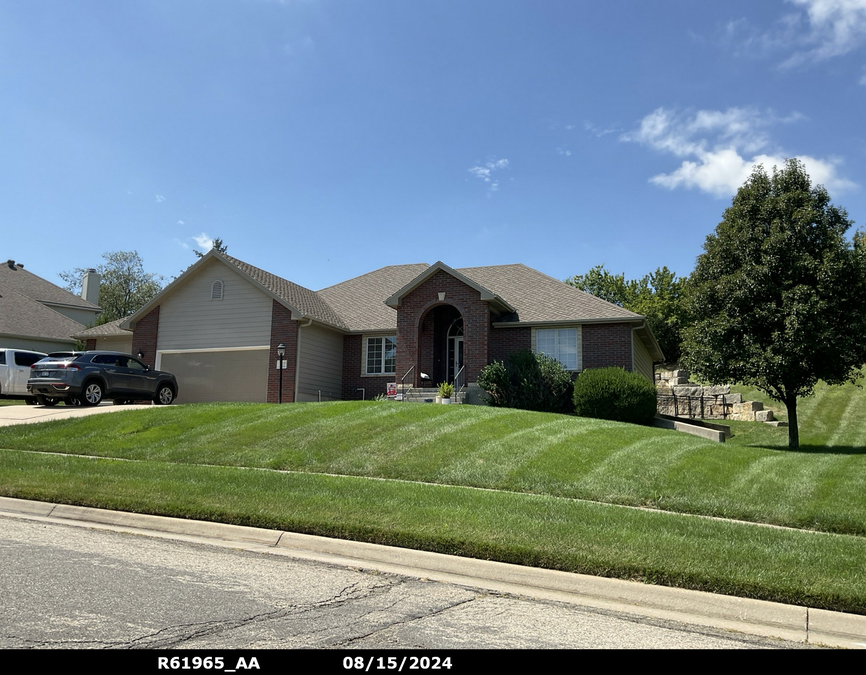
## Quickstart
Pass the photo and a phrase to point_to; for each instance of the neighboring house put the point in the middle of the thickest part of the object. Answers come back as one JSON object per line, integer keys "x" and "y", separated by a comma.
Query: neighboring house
{"x": 38, "y": 315}
{"x": 109, "y": 336}
{"x": 217, "y": 327}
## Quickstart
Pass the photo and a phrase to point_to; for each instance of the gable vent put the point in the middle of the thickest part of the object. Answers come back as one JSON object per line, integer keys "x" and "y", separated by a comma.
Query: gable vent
{"x": 216, "y": 291}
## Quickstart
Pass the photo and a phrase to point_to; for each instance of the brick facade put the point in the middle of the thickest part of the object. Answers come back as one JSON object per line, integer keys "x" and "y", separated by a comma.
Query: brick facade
{"x": 145, "y": 335}
{"x": 607, "y": 344}
{"x": 285, "y": 330}
{"x": 353, "y": 365}
{"x": 506, "y": 341}
{"x": 90, "y": 344}
{"x": 415, "y": 330}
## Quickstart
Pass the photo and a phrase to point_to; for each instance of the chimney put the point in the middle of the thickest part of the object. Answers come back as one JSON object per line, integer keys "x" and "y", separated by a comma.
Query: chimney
{"x": 90, "y": 286}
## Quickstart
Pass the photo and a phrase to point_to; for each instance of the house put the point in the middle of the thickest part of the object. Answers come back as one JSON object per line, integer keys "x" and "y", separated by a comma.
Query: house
{"x": 218, "y": 326}
{"x": 38, "y": 315}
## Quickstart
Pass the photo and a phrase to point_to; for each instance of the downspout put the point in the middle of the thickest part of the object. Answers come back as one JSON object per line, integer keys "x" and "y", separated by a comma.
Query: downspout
{"x": 298, "y": 358}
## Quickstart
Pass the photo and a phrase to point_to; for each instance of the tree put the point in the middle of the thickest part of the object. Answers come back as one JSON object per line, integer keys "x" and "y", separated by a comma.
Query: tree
{"x": 779, "y": 295}
{"x": 659, "y": 296}
{"x": 125, "y": 286}
{"x": 217, "y": 244}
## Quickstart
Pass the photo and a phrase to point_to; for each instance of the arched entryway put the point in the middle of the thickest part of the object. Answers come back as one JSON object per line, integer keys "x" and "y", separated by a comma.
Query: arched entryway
{"x": 440, "y": 343}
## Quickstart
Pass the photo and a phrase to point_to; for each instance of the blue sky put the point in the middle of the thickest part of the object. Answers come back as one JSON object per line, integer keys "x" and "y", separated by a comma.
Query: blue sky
{"x": 321, "y": 139}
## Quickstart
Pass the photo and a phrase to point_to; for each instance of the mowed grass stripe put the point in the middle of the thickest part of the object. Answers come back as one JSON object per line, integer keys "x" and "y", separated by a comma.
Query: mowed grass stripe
{"x": 813, "y": 569}
{"x": 513, "y": 450}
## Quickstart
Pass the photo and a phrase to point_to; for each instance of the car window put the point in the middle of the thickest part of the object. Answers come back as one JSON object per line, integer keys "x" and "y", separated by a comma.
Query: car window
{"x": 135, "y": 365}
{"x": 26, "y": 358}
{"x": 106, "y": 359}
{"x": 2, "y": 358}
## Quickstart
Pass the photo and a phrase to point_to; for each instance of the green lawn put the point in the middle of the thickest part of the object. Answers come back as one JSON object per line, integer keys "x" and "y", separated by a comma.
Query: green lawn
{"x": 228, "y": 462}
{"x": 496, "y": 448}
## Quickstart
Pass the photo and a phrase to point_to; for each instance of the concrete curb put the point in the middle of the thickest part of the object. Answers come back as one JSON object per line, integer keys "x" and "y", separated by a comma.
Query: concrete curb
{"x": 755, "y": 617}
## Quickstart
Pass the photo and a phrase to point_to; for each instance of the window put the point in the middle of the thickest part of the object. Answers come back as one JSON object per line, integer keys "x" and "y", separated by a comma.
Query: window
{"x": 381, "y": 355}
{"x": 561, "y": 344}
{"x": 216, "y": 291}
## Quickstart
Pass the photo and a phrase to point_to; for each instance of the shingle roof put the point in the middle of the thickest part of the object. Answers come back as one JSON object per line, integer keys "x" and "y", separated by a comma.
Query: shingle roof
{"x": 360, "y": 302}
{"x": 538, "y": 297}
{"x": 18, "y": 279}
{"x": 20, "y": 315}
{"x": 110, "y": 328}
{"x": 305, "y": 300}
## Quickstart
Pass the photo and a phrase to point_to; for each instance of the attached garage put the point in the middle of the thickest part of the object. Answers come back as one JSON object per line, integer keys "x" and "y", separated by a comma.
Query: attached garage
{"x": 218, "y": 374}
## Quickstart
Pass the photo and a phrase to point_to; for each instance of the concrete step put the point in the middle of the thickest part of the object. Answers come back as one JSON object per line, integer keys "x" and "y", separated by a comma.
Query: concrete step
{"x": 425, "y": 394}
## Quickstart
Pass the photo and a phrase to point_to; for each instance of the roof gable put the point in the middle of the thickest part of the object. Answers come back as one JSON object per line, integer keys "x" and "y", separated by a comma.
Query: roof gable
{"x": 486, "y": 294}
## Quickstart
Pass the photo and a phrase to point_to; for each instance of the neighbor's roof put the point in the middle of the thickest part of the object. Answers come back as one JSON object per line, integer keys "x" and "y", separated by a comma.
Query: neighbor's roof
{"x": 107, "y": 329}
{"x": 16, "y": 278}
{"x": 26, "y": 317}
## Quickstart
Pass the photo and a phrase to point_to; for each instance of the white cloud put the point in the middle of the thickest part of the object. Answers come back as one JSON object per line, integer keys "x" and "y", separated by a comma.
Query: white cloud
{"x": 720, "y": 149}
{"x": 836, "y": 27}
{"x": 814, "y": 31}
{"x": 204, "y": 242}
{"x": 180, "y": 222}
{"x": 160, "y": 199}
{"x": 564, "y": 151}
{"x": 597, "y": 131}
{"x": 485, "y": 173}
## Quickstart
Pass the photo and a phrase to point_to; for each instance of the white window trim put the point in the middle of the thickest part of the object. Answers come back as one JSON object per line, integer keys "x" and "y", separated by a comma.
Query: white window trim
{"x": 367, "y": 339}
{"x": 578, "y": 335}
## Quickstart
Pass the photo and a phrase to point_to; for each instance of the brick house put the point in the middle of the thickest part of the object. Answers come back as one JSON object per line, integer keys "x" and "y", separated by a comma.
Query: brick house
{"x": 217, "y": 327}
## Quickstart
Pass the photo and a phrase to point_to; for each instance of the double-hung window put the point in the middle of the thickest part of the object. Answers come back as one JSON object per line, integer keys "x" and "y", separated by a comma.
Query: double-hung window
{"x": 381, "y": 355}
{"x": 560, "y": 344}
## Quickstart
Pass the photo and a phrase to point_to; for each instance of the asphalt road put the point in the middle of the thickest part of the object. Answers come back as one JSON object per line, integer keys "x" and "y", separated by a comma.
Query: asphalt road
{"x": 72, "y": 587}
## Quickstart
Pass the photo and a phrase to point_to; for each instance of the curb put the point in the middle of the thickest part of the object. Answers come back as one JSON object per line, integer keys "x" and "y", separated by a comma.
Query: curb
{"x": 754, "y": 617}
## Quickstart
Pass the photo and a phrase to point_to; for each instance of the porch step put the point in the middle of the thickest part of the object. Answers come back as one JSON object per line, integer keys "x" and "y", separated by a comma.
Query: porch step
{"x": 425, "y": 394}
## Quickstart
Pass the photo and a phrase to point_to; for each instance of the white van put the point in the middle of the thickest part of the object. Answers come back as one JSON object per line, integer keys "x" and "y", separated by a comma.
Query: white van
{"x": 15, "y": 371}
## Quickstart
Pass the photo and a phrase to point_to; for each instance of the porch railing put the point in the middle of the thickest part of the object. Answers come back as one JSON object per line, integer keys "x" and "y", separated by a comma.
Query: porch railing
{"x": 459, "y": 382}
{"x": 403, "y": 391}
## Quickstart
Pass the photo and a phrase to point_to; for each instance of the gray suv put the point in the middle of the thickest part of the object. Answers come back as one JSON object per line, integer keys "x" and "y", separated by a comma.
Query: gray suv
{"x": 90, "y": 377}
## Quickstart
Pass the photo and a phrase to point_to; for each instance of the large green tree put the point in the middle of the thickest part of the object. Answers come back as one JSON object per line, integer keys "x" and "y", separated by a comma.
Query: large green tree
{"x": 659, "y": 296}
{"x": 779, "y": 295}
{"x": 125, "y": 286}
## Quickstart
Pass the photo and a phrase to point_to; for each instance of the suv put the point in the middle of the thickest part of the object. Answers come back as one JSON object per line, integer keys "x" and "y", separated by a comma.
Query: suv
{"x": 14, "y": 371}
{"x": 88, "y": 378}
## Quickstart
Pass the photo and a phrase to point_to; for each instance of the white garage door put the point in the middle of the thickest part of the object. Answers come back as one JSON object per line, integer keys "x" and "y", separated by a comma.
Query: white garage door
{"x": 223, "y": 375}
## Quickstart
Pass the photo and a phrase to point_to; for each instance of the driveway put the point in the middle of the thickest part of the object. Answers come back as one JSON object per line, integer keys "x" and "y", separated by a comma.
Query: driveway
{"x": 29, "y": 414}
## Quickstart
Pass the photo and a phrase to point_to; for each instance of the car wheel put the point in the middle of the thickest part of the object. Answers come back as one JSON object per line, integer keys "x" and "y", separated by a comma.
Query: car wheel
{"x": 30, "y": 401}
{"x": 164, "y": 395}
{"x": 46, "y": 400}
{"x": 92, "y": 394}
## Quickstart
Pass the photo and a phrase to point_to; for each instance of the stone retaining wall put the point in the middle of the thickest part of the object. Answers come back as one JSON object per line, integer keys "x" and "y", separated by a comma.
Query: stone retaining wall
{"x": 679, "y": 397}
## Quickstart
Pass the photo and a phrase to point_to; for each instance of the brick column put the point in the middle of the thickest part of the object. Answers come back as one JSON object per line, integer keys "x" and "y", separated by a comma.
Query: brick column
{"x": 144, "y": 337}
{"x": 285, "y": 330}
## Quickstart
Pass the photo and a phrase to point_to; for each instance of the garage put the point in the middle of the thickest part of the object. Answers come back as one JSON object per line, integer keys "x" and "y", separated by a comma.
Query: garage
{"x": 218, "y": 374}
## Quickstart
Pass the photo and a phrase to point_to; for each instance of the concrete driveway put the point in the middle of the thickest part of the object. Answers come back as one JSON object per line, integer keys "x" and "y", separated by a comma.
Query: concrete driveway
{"x": 29, "y": 414}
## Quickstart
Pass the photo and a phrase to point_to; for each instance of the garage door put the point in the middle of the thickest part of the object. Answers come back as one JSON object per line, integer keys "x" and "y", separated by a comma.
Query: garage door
{"x": 224, "y": 375}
